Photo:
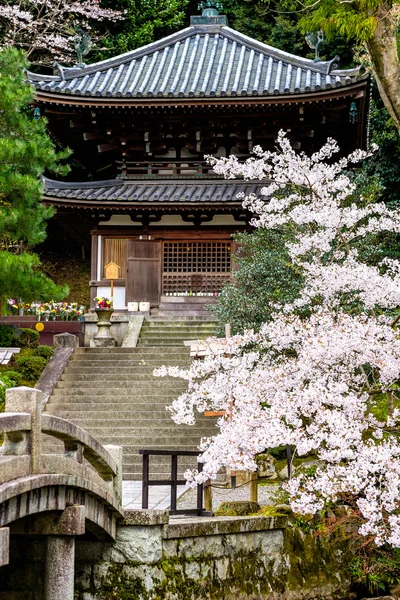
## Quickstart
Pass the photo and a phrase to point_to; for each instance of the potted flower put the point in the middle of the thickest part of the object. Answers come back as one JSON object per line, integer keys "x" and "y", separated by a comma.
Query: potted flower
{"x": 102, "y": 302}
{"x": 12, "y": 306}
{"x": 103, "y": 310}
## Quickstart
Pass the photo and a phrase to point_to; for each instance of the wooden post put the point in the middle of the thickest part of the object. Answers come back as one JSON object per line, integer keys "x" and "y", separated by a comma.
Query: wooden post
{"x": 111, "y": 273}
{"x": 254, "y": 487}
{"x": 208, "y": 496}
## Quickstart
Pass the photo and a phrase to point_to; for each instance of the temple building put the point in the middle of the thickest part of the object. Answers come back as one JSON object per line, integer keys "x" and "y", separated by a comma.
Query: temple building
{"x": 139, "y": 125}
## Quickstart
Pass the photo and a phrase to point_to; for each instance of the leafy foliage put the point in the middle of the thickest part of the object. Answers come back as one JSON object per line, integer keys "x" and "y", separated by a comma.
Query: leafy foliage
{"x": 31, "y": 367}
{"x": 29, "y": 338}
{"x": 145, "y": 21}
{"x": 8, "y": 335}
{"x": 25, "y": 152}
{"x": 276, "y": 22}
{"x": 44, "y": 351}
{"x": 384, "y": 167}
{"x": 264, "y": 277}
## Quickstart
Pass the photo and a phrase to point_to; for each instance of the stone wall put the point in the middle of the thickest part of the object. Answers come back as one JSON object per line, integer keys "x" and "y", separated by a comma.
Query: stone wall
{"x": 228, "y": 558}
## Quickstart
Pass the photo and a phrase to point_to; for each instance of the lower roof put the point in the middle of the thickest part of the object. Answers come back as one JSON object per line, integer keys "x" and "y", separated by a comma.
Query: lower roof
{"x": 133, "y": 193}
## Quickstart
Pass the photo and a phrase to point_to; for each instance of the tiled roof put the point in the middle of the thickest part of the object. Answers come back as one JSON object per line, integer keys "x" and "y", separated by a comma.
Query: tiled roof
{"x": 115, "y": 191}
{"x": 199, "y": 61}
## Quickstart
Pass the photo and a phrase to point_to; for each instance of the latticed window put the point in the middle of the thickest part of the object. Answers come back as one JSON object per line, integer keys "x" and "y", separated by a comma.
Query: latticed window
{"x": 195, "y": 267}
{"x": 114, "y": 250}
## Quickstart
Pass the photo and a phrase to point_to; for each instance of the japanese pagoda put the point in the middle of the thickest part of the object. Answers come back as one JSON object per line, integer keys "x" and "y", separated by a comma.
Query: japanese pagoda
{"x": 140, "y": 124}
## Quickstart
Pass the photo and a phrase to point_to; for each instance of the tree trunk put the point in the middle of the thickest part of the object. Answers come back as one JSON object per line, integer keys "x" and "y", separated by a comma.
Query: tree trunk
{"x": 382, "y": 48}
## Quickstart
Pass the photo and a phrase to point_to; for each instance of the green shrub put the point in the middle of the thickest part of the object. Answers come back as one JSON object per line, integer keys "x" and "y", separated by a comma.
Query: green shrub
{"x": 13, "y": 375}
{"x": 44, "y": 351}
{"x": 29, "y": 338}
{"x": 31, "y": 367}
{"x": 9, "y": 335}
{"x": 6, "y": 382}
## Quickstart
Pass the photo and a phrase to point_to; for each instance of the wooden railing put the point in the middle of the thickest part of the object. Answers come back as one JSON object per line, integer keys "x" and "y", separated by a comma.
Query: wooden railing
{"x": 166, "y": 168}
{"x": 173, "y": 482}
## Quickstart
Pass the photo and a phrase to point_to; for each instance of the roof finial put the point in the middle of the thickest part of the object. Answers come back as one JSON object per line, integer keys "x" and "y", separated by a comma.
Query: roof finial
{"x": 210, "y": 8}
{"x": 315, "y": 41}
{"x": 81, "y": 45}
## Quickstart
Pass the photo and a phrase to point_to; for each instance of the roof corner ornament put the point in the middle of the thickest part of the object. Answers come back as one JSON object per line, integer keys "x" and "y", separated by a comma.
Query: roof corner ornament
{"x": 209, "y": 8}
{"x": 315, "y": 41}
{"x": 81, "y": 45}
{"x": 333, "y": 64}
{"x": 58, "y": 70}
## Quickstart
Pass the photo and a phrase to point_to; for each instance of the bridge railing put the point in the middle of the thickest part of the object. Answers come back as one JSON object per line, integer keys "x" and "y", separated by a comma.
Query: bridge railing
{"x": 23, "y": 426}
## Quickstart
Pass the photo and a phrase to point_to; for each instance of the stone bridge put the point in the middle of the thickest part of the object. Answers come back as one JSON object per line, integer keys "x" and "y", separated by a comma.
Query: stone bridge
{"x": 59, "y": 496}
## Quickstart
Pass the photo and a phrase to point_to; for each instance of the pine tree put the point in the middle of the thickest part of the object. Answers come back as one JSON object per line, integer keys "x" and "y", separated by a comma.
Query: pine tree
{"x": 26, "y": 152}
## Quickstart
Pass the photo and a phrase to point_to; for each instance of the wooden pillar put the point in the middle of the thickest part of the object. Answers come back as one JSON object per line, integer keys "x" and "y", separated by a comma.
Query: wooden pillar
{"x": 208, "y": 496}
{"x": 254, "y": 487}
{"x": 93, "y": 269}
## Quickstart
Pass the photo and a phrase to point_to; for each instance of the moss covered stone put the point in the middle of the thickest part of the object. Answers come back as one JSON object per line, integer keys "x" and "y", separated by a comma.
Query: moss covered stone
{"x": 237, "y": 509}
{"x": 285, "y": 563}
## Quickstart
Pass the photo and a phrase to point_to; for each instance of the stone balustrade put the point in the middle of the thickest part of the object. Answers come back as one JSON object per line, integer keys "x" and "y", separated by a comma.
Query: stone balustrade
{"x": 55, "y": 495}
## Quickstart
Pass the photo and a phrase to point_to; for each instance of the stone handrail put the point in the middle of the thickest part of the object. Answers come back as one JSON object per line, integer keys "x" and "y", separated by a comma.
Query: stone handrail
{"x": 23, "y": 426}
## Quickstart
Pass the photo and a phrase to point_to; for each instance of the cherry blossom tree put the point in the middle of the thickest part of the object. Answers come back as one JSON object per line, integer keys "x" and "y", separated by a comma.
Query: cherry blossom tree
{"x": 44, "y": 29}
{"x": 315, "y": 374}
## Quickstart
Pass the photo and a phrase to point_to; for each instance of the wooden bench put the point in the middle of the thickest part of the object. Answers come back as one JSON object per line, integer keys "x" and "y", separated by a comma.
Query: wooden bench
{"x": 6, "y": 354}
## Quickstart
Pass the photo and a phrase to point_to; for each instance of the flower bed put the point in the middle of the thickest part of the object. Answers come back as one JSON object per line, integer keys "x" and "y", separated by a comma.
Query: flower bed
{"x": 46, "y": 311}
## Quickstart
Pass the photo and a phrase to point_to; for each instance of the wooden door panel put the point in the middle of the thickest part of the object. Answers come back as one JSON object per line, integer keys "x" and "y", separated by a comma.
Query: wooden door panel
{"x": 144, "y": 271}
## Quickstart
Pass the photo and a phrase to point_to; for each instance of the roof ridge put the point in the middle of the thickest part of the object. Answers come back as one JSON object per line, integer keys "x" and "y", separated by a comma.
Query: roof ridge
{"x": 320, "y": 66}
{"x": 72, "y": 72}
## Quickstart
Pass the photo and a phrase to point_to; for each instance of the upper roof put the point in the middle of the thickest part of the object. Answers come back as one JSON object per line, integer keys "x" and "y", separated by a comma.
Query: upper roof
{"x": 115, "y": 192}
{"x": 203, "y": 60}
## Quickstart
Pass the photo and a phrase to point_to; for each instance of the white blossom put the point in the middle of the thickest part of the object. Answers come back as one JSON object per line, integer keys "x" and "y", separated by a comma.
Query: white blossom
{"x": 311, "y": 382}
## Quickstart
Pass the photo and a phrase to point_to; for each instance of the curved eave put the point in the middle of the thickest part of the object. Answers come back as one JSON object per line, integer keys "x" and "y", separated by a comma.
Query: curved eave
{"x": 105, "y": 205}
{"x": 112, "y": 102}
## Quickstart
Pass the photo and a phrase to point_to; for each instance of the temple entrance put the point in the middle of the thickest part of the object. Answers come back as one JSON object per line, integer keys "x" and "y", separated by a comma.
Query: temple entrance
{"x": 176, "y": 268}
{"x": 144, "y": 271}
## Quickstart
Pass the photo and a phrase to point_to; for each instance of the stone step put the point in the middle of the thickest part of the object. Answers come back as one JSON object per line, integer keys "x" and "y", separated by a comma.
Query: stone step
{"x": 132, "y": 428}
{"x": 146, "y": 359}
{"x": 178, "y": 324}
{"x": 178, "y": 329}
{"x": 160, "y": 342}
{"x": 141, "y": 411}
{"x": 154, "y": 382}
{"x": 90, "y": 403}
{"x": 128, "y": 377}
{"x": 106, "y": 395}
{"x": 125, "y": 416}
{"x": 154, "y": 440}
{"x": 120, "y": 351}
{"x": 173, "y": 335}
{"x": 124, "y": 367}
{"x": 171, "y": 305}
{"x": 136, "y": 372}
{"x": 138, "y": 362}
{"x": 91, "y": 408}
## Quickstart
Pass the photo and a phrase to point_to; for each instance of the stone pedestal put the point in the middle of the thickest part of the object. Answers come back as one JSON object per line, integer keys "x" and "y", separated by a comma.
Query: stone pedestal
{"x": 103, "y": 337}
{"x": 60, "y": 568}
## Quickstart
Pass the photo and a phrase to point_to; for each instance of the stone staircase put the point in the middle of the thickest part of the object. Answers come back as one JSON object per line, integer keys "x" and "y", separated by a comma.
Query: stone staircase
{"x": 112, "y": 393}
{"x": 163, "y": 332}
